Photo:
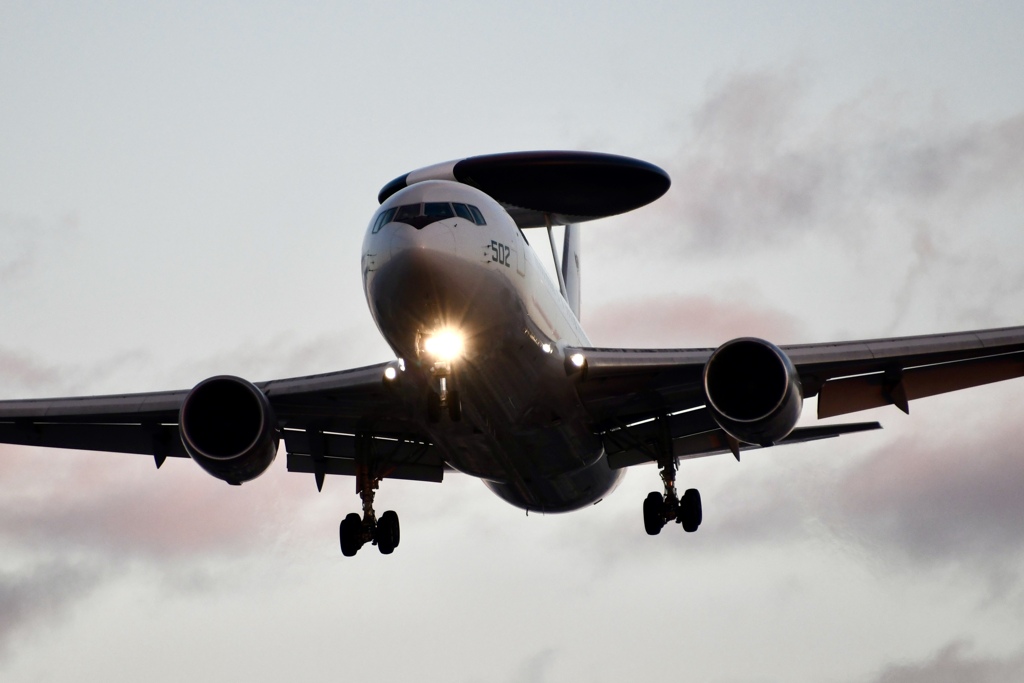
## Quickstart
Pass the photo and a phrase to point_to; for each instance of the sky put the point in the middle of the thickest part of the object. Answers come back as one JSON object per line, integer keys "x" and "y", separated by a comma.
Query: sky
{"x": 183, "y": 193}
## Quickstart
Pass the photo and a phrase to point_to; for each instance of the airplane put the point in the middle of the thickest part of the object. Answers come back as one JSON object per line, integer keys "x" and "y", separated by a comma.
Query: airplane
{"x": 494, "y": 377}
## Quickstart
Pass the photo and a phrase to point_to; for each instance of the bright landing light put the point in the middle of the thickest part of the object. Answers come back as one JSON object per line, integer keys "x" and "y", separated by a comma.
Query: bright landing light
{"x": 445, "y": 345}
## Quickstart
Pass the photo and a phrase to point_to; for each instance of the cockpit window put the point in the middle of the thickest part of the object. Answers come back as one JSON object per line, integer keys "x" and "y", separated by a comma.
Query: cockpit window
{"x": 421, "y": 215}
{"x": 438, "y": 210}
{"x": 407, "y": 213}
{"x": 383, "y": 219}
{"x": 462, "y": 211}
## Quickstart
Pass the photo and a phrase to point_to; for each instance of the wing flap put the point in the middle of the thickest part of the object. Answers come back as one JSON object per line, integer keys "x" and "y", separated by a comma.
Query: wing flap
{"x": 320, "y": 453}
{"x": 850, "y": 394}
{"x": 715, "y": 441}
{"x": 819, "y": 363}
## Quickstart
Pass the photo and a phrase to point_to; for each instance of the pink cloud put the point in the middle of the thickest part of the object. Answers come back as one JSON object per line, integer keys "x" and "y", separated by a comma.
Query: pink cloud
{"x": 121, "y": 505}
{"x": 670, "y": 322}
{"x": 938, "y": 498}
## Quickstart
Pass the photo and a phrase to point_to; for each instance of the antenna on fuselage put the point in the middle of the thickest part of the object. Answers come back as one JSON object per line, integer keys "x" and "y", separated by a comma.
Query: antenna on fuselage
{"x": 571, "y": 267}
{"x": 554, "y": 255}
{"x": 567, "y": 267}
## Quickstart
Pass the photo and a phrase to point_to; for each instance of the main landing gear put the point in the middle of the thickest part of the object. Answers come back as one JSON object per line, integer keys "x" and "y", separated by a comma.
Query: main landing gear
{"x": 356, "y": 531}
{"x": 660, "y": 509}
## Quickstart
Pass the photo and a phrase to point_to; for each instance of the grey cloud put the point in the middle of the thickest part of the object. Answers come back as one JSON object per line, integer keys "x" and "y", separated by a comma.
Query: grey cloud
{"x": 39, "y": 593}
{"x": 22, "y": 237}
{"x": 536, "y": 668}
{"x": 929, "y": 502}
{"x": 968, "y": 160}
{"x": 284, "y": 355}
{"x": 755, "y": 166}
{"x": 24, "y": 371}
{"x": 952, "y": 501}
{"x": 24, "y": 375}
{"x": 955, "y": 664}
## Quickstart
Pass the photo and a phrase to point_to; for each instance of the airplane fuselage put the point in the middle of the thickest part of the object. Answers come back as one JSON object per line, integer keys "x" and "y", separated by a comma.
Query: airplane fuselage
{"x": 441, "y": 255}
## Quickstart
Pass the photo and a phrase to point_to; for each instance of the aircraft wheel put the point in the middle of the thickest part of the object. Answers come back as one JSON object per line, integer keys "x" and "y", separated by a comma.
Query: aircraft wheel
{"x": 387, "y": 533}
{"x": 654, "y": 519}
{"x": 351, "y": 534}
{"x": 454, "y": 406}
{"x": 433, "y": 407}
{"x": 690, "y": 512}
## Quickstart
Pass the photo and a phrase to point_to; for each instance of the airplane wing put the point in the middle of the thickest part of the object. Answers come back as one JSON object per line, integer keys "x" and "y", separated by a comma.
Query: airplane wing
{"x": 320, "y": 417}
{"x": 635, "y": 396}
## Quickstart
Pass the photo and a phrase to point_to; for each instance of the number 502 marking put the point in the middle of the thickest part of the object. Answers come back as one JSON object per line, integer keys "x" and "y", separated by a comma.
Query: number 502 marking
{"x": 500, "y": 253}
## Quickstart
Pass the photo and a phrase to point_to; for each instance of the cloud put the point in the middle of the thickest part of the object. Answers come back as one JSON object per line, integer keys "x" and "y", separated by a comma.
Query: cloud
{"x": 22, "y": 239}
{"x": 24, "y": 371}
{"x": 25, "y": 375}
{"x": 678, "y": 321}
{"x": 39, "y": 593}
{"x": 940, "y": 500}
{"x": 946, "y": 497}
{"x": 117, "y": 506}
{"x": 954, "y": 664}
{"x": 536, "y": 668}
{"x": 758, "y": 164}
{"x": 287, "y": 355}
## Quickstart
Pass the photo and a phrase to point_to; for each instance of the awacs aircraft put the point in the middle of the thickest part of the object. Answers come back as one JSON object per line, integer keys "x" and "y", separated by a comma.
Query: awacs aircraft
{"x": 494, "y": 376}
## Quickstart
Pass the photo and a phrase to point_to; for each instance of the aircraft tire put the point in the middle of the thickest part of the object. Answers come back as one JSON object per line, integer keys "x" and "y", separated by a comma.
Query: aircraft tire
{"x": 654, "y": 519}
{"x": 350, "y": 533}
{"x": 690, "y": 512}
{"x": 387, "y": 533}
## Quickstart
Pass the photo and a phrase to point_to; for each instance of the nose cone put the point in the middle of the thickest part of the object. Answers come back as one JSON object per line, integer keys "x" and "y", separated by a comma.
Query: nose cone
{"x": 437, "y": 237}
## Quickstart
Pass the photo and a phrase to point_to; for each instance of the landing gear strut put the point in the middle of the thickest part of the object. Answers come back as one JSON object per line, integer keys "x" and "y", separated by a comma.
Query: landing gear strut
{"x": 356, "y": 531}
{"x": 662, "y": 508}
{"x": 444, "y": 396}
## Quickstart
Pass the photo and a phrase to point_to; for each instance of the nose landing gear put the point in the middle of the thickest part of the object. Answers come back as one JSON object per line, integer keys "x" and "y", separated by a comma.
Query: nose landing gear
{"x": 444, "y": 397}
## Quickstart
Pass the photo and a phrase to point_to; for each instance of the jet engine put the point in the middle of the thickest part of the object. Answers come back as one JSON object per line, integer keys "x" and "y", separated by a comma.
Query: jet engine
{"x": 753, "y": 390}
{"x": 228, "y": 427}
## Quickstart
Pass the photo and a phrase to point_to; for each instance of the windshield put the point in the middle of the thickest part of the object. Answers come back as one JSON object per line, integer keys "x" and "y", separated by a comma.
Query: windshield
{"x": 422, "y": 215}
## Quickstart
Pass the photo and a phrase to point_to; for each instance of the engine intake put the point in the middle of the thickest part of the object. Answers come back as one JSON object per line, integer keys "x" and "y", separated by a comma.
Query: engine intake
{"x": 753, "y": 390}
{"x": 228, "y": 427}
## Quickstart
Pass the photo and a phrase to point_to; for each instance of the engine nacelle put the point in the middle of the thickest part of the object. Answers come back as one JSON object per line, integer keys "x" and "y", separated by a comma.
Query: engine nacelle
{"x": 753, "y": 390}
{"x": 228, "y": 427}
